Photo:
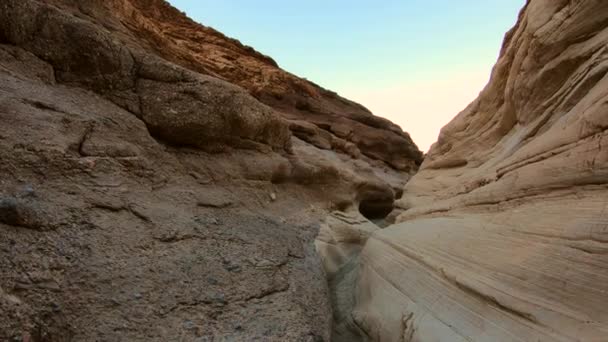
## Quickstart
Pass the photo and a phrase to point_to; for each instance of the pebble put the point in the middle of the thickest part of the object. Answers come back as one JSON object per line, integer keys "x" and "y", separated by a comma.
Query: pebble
{"x": 189, "y": 325}
{"x": 265, "y": 263}
{"x": 234, "y": 268}
{"x": 28, "y": 191}
{"x": 55, "y": 307}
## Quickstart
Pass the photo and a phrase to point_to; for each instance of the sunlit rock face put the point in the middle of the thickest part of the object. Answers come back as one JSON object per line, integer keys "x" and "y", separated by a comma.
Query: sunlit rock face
{"x": 504, "y": 234}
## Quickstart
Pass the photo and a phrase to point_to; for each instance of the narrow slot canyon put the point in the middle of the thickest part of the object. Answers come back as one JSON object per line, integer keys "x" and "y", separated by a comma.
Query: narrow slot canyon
{"x": 161, "y": 181}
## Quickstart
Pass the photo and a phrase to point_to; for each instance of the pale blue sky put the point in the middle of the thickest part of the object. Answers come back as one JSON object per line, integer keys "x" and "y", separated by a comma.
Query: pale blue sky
{"x": 360, "y": 48}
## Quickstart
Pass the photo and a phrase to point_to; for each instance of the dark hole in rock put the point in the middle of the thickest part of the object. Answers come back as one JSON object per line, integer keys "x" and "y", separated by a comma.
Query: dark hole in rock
{"x": 375, "y": 209}
{"x": 398, "y": 193}
{"x": 376, "y": 201}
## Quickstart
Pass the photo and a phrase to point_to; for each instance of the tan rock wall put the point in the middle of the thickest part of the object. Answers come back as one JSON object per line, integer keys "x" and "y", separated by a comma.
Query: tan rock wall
{"x": 505, "y": 230}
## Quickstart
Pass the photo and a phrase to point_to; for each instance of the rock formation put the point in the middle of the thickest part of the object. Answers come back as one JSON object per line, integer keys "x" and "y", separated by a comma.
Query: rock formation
{"x": 162, "y": 182}
{"x": 503, "y": 234}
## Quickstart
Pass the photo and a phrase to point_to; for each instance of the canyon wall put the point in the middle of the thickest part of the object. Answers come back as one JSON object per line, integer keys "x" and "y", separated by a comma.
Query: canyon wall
{"x": 162, "y": 182}
{"x": 503, "y": 234}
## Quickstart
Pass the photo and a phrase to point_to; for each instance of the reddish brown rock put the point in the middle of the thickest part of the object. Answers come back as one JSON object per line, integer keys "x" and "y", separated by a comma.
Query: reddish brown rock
{"x": 156, "y": 26}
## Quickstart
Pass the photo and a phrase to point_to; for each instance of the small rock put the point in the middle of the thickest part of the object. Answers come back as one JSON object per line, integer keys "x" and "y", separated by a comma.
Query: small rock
{"x": 20, "y": 213}
{"x": 28, "y": 191}
{"x": 234, "y": 268}
{"x": 169, "y": 236}
{"x": 219, "y": 298}
{"x": 189, "y": 325}
{"x": 51, "y": 286}
{"x": 138, "y": 295}
{"x": 204, "y": 180}
{"x": 265, "y": 263}
{"x": 12, "y": 299}
{"x": 214, "y": 202}
{"x": 273, "y": 196}
{"x": 206, "y": 220}
{"x": 38, "y": 277}
{"x": 55, "y": 307}
{"x": 231, "y": 267}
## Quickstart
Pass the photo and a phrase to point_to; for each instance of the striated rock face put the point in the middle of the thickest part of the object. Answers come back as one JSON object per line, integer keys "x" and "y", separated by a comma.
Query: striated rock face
{"x": 504, "y": 231}
{"x": 341, "y": 238}
{"x": 162, "y": 182}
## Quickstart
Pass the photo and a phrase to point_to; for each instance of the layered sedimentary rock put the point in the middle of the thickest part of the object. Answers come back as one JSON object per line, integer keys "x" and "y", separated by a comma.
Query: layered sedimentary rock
{"x": 503, "y": 234}
{"x": 162, "y": 182}
{"x": 341, "y": 238}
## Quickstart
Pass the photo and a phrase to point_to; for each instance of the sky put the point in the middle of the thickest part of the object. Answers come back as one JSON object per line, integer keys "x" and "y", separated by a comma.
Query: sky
{"x": 415, "y": 62}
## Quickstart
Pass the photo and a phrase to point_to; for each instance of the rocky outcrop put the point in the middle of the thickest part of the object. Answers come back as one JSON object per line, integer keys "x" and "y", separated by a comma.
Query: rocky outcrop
{"x": 177, "y": 105}
{"x": 155, "y": 26}
{"x": 161, "y": 182}
{"x": 503, "y": 233}
{"x": 115, "y": 49}
{"x": 107, "y": 234}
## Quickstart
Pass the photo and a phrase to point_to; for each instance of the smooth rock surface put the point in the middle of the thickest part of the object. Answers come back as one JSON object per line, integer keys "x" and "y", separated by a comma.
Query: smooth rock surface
{"x": 341, "y": 238}
{"x": 504, "y": 231}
